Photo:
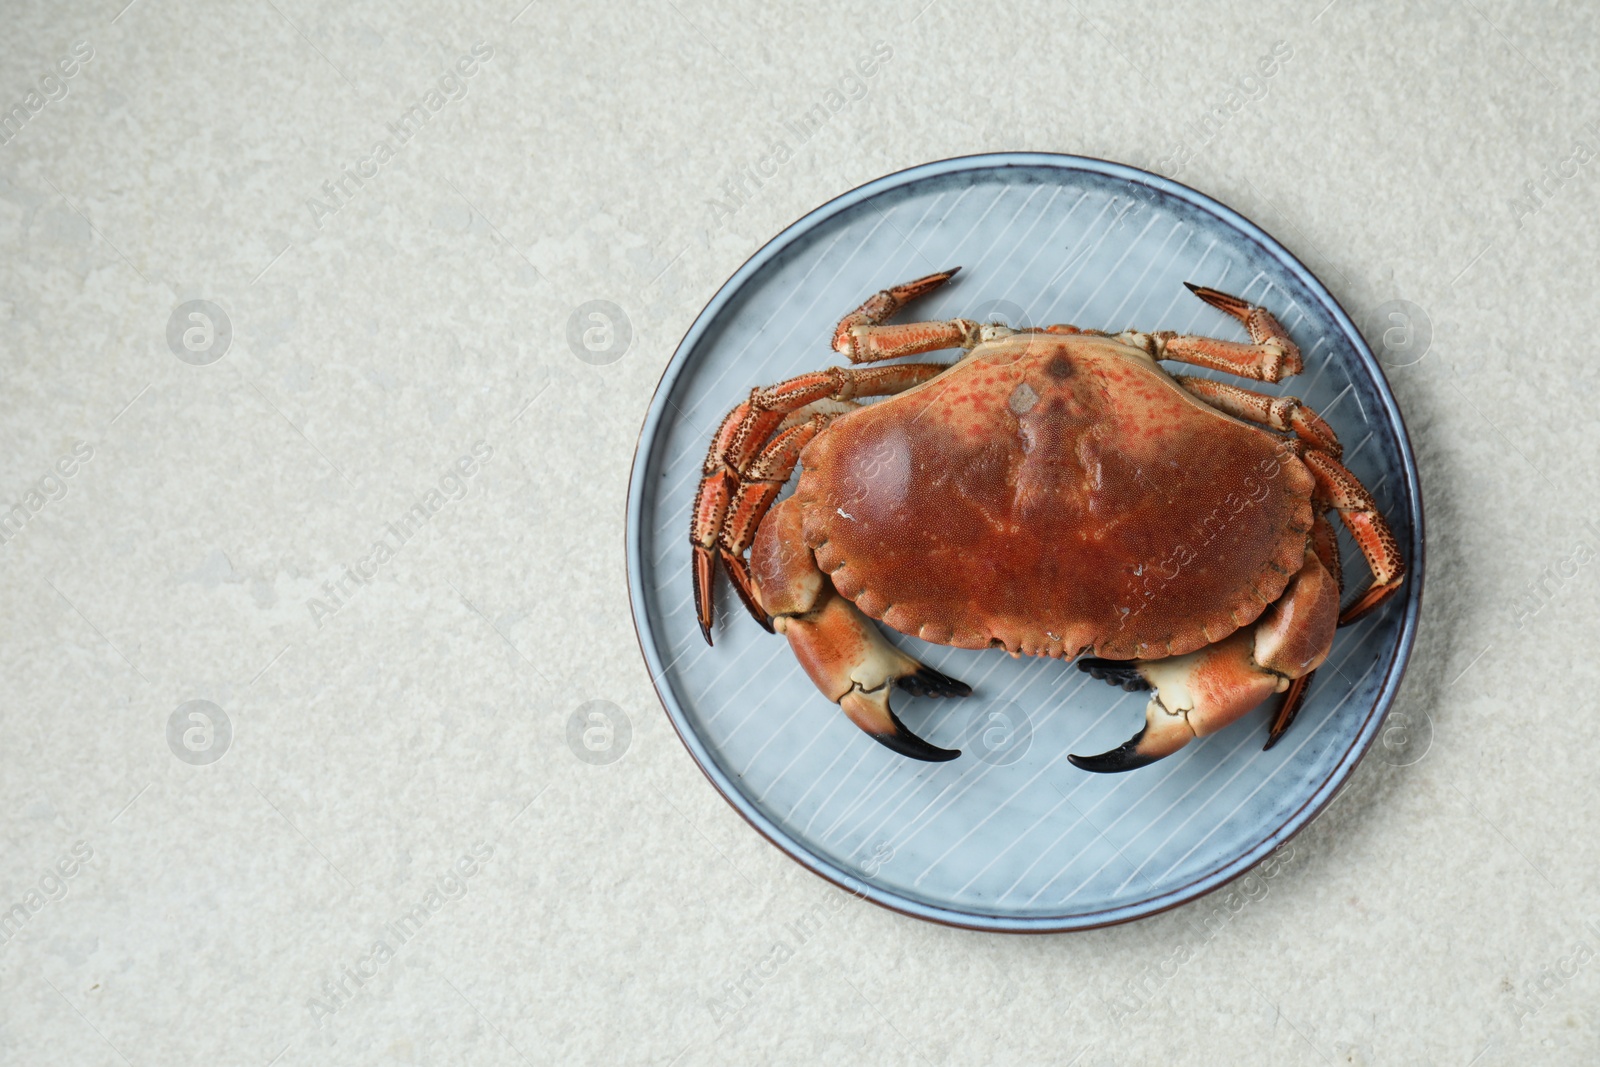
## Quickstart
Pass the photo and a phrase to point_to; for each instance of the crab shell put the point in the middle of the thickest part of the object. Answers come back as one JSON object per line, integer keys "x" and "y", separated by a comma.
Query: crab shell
{"x": 1053, "y": 494}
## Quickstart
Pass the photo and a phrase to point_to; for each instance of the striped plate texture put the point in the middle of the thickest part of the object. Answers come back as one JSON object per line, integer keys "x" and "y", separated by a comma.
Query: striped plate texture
{"x": 1010, "y": 836}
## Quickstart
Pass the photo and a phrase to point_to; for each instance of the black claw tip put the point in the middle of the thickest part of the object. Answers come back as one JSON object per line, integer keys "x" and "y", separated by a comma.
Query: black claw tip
{"x": 928, "y": 682}
{"x": 909, "y": 744}
{"x": 1193, "y": 288}
{"x": 1115, "y": 672}
{"x": 705, "y": 632}
{"x": 1122, "y": 758}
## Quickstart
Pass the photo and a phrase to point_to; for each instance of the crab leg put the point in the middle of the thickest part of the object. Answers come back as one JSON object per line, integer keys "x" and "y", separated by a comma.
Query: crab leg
{"x": 846, "y": 656}
{"x": 863, "y": 337}
{"x": 1325, "y": 546}
{"x": 1338, "y": 488}
{"x": 1271, "y": 356}
{"x": 1202, "y": 692}
{"x": 757, "y": 490}
{"x": 1285, "y": 413}
{"x": 740, "y": 440}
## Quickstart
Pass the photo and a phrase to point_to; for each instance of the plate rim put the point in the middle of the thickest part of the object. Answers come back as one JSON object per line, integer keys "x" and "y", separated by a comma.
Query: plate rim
{"x": 795, "y": 849}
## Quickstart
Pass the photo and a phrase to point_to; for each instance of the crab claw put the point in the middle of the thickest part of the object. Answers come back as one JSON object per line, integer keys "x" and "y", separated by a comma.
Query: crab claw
{"x": 1191, "y": 696}
{"x": 927, "y": 682}
{"x": 1139, "y": 750}
{"x": 847, "y": 657}
{"x": 869, "y": 709}
{"x": 1164, "y": 732}
{"x": 1117, "y": 672}
{"x": 850, "y": 661}
{"x": 1159, "y": 737}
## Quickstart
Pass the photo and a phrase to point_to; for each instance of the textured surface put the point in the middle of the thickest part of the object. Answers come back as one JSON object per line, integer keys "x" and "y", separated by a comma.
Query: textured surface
{"x": 1024, "y": 495}
{"x": 1436, "y": 155}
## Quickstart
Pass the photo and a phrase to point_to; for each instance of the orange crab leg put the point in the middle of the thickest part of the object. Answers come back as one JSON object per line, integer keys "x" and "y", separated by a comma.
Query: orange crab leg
{"x": 1339, "y": 489}
{"x": 743, "y": 431}
{"x": 764, "y": 479}
{"x": 1325, "y": 546}
{"x": 757, "y": 490}
{"x": 742, "y": 439}
{"x": 1285, "y": 413}
{"x": 1293, "y": 697}
{"x": 1271, "y": 356}
{"x": 862, "y": 337}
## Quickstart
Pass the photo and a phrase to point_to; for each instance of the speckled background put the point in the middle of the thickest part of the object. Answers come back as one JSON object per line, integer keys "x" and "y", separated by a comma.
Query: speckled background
{"x": 395, "y": 831}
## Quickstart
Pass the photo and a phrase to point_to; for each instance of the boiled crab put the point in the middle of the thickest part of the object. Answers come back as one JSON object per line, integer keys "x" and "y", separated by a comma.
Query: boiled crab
{"x": 1055, "y": 492}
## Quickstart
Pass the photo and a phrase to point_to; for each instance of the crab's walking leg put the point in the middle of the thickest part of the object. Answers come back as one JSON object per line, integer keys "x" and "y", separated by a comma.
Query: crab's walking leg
{"x": 863, "y": 337}
{"x": 1338, "y": 488}
{"x": 1204, "y": 691}
{"x": 1325, "y": 546}
{"x": 846, "y": 656}
{"x": 757, "y": 488}
{"x": 1285, "y": 413}
{"x": 741, "y": 440}
{"x": 1325, "y": 543}
{"x": 1271, "y": 356}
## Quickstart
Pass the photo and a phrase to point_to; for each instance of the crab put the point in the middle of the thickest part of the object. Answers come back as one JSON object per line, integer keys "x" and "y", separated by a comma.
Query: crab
{"x": 1055, "y": 492}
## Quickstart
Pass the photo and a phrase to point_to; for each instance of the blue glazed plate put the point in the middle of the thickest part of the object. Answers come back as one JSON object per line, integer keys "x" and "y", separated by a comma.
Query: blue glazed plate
{"x": 1010, "y": 836}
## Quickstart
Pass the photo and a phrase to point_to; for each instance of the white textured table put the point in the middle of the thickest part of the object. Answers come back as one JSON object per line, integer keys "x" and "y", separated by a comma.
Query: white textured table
{"x": 292, "y": 428}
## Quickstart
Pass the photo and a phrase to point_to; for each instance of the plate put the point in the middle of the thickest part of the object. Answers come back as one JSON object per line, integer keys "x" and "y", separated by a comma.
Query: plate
{"x": 1010, "y": 836}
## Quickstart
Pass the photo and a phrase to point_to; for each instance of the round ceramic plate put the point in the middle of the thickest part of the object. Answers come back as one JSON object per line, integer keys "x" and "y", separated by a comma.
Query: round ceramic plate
{"x": 1010, "y": 836}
